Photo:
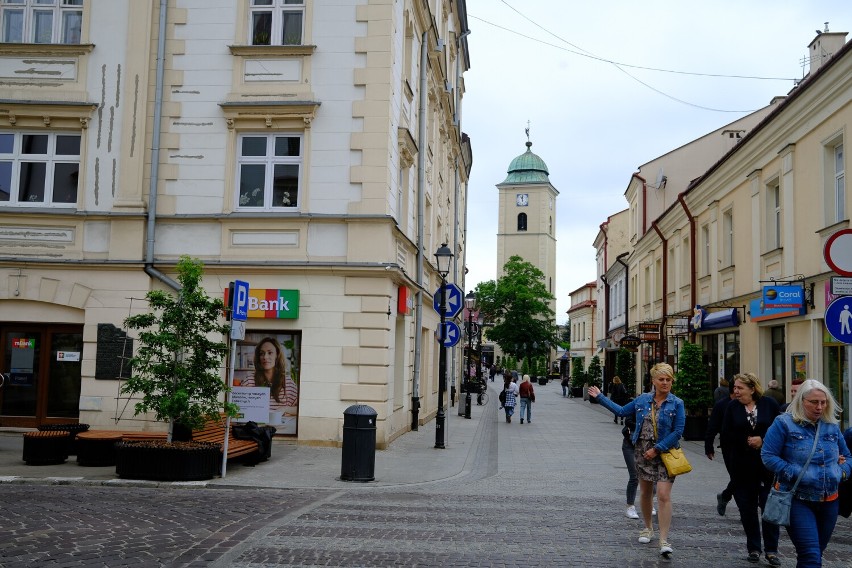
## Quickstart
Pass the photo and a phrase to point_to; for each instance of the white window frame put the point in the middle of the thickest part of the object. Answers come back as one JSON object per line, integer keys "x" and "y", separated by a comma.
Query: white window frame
{"x": 773, "y": 215}
{"x": 277, "y": 11}
{"x": 728, "y": 237}
{"x": 11, "y": 164}
{"x": 65, "y": 19}
{"x": 705, "y": 250}
{"x": 269, "y": 162}
{"x": 839, "y": 184}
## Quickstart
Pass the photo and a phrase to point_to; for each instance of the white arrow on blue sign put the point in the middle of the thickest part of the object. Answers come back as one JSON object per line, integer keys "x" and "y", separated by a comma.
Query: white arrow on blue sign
{"x": 455, "y": 300}
{"x": 451, "y": 335}
{"x": 838, "y": 319}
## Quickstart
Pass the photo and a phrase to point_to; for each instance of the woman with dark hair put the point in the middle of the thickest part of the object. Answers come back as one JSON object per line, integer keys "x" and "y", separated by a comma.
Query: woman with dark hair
{"x": 272, "y": 369}
{"x": 747, "y": 418}
{"x": 805, "y": 443}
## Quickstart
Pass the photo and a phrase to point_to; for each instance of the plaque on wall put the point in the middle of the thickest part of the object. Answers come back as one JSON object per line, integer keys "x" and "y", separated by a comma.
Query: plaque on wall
{"x": 114, "y": 352}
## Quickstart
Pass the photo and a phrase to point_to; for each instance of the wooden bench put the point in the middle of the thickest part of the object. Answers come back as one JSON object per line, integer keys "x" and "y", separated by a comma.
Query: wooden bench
{"x": 96, "y": 448}
{"x": 214, "y": 431}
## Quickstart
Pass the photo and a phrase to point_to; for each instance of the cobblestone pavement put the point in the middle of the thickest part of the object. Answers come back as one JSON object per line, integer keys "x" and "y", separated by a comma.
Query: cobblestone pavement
{"x": 548, "y": 493}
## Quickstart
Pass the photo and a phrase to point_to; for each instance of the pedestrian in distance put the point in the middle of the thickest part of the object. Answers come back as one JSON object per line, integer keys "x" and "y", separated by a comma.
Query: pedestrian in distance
{"x": 808, "y": 435}
{"x": 618, "y": 394}
{"x": 511, "y": 397}
{"x": 526, "y": 392}
{"x": 747, "y": 418}
{"x": 714, "y": 427}
{"x": 794, "y": 388}
{"x": 628, "y": 451}
{"x": 775, "y": 392}
{"x": 722, "y": 391}
{"x": 566, "y": 384}
{"x": 660, "y": 418}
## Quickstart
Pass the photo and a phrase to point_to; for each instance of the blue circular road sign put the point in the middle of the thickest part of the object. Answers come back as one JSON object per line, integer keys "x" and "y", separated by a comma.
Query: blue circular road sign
{"x": 838, "y": 319}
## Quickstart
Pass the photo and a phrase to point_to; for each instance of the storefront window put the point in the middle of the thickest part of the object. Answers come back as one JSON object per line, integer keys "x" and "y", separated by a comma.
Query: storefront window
{"x": 835, "y": 368}
{"x": 778, "y": 360}
{"x": 722, "y": 355}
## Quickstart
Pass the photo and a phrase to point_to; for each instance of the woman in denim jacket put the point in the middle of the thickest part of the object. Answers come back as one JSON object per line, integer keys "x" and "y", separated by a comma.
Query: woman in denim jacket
{"x": 670, "y": 418}
{"x": 786, "y": 448}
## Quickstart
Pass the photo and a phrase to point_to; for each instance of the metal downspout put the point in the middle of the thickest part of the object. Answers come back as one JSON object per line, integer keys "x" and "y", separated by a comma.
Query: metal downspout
{"x": 421, "y": 211}
{"x": 663, "y": 342}
{"x": 155, "y": 154}
{"x": 457, "y": 109}
{"x": 626, "y": 290}
{"x": 691, "y": 251}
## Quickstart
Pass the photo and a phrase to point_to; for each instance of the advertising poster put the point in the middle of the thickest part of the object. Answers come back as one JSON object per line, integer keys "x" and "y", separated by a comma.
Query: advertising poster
{"x": 800, "y": 366}
{"x": 271, "y": 360}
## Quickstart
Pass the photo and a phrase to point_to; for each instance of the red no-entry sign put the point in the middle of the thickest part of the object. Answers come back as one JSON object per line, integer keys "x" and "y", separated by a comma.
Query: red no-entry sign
{"x": 838, "y": 252}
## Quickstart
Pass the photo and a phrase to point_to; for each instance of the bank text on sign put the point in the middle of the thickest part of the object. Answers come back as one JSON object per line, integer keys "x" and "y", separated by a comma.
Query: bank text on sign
{"x": 272, "y": 303}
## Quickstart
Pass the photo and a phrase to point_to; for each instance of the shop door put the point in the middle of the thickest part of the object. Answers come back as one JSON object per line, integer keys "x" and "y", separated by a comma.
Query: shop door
{"x": 41, "y": 367}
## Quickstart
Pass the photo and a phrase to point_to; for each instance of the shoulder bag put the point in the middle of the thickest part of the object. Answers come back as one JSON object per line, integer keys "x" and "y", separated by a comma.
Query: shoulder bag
{"x": 674, "y": 459}
{"x": 777, "y": 509}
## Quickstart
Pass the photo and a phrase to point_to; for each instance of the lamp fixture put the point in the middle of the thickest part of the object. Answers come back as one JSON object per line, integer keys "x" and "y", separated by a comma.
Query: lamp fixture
{"x": 443, "y": 256}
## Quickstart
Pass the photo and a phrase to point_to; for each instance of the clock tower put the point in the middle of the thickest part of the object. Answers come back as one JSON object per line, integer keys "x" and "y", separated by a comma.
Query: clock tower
{"x": 527, "y": 217}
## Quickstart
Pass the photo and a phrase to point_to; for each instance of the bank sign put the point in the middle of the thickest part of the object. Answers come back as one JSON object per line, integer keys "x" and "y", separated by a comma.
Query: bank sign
{"x": 778, "y": 302}
{"x": 272, "y": 303}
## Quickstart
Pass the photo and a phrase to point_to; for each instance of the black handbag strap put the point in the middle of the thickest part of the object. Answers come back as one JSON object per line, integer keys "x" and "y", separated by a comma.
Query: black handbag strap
{"x": 804, "y": 467}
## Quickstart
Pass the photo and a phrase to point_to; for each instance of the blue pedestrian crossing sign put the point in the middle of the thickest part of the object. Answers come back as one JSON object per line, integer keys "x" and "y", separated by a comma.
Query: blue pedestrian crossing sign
{"x": 455, "y": 300}
{"x": 838, "y": 319}
{"x": 450, "y": 335}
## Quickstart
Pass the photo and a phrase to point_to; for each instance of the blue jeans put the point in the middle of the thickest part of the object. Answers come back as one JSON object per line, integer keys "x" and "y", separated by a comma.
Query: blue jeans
{"x": 630, "y": 461}
{"x": 564, "y": 391}
{"x": 510, "y": 410}
{"x": 750, "y": 494}
{"x": 526, "y": 405}
{"x": 811, "y": 525}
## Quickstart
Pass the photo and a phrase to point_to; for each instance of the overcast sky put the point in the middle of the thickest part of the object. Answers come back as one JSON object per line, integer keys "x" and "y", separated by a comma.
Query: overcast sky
{"x": 591, "y": 122}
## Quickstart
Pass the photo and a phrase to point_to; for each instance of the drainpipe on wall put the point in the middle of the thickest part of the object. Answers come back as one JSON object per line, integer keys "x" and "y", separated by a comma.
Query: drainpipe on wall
{"x": 663, "y": 343}
{"x": 421, "y": 212}
{"x": 692, "y": 283}
{"x": 603, "y": 227}
{"x": 155, "y": 154}
{"x": 457, "y": 122}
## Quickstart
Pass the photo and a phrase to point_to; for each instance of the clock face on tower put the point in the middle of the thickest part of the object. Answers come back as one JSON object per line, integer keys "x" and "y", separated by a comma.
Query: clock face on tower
{"x": 522, "y": 199}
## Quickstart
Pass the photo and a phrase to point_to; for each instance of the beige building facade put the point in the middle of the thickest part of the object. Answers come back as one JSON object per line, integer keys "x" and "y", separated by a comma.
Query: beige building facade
{"x": 312, "y": 150}
{"x": 750, "y": 229}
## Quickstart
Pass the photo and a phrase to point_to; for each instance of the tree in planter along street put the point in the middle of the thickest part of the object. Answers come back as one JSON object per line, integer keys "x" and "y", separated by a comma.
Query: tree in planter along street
{"x": 625, "y": 369}
{"x": 594, "y": 375}
{"x": 693, "y": 381}
{"x": 517, "y": 309}
{"x": 578, "y": 374}
{"x": 177, "y": 367}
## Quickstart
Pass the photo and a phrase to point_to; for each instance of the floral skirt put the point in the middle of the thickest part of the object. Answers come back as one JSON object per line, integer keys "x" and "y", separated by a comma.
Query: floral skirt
{"x": 649, "y": 470}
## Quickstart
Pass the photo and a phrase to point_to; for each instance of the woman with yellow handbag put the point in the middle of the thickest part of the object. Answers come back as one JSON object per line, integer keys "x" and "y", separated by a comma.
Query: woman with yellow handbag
{"x": 660, "y": 418}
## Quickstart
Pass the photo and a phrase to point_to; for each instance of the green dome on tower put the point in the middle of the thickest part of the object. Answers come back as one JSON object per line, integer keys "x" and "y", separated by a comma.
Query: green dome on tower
{"x": 527, "y": 168}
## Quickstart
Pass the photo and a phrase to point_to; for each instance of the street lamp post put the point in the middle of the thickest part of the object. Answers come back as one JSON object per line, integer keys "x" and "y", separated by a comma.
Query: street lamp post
{"x": 480, "y": 382}
{"x": 470, "y": 304}
{"x": 443, "y": 256}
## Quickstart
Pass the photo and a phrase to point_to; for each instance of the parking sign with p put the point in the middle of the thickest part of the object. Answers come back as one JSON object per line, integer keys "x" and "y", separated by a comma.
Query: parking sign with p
{"x": 240, "y": 301}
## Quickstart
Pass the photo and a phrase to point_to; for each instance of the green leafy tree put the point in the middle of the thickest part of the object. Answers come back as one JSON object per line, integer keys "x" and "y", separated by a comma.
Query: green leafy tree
{"x": 578, "y": 373}
{"x": 625, "y": 369}
{"x": 517, "y": 309}
{"x": 595, "y": 372}
{"x": 693, "y": 381}
{"x": 177, "y": 367}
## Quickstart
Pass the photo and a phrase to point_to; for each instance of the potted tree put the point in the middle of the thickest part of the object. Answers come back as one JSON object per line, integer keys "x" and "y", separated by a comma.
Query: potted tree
{"x": 578, "y": 377}
{"x": 625, "y": 370}
{"x": 176, "y": 373}
{"x": 693, "y": 386}
{"x": 594, "y": 375}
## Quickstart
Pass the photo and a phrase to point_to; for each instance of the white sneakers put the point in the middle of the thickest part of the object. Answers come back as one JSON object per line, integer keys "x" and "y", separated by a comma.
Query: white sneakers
{"x": 645, "y": 535}
{"x": 631, "y": 512}
{"x": 666, "y": 549}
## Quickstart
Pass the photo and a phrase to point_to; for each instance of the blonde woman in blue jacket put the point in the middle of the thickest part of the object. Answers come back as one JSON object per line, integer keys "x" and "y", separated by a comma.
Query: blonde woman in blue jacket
{"x": 786, "y": 448}
{"x": 670, "y": 416}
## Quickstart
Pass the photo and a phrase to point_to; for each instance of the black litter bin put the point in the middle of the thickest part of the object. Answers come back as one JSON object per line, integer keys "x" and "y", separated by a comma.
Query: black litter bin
{"x": 359, "y": 443}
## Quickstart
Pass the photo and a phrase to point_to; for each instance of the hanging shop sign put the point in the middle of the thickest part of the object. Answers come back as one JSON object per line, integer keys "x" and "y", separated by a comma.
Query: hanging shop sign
{"x": 405, "y": 301}
{"x": 778, "y": 302}
{"x": 630, "y": 342}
